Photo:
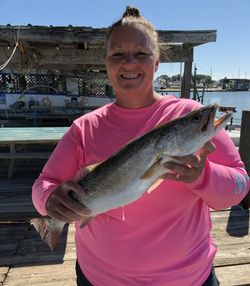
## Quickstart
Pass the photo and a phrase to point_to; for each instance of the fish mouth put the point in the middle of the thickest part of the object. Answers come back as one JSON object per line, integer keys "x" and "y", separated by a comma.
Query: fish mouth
{"x": 215, "y": 123}
{"x": 223, "y": 119}
{"x": 219, "y": 123}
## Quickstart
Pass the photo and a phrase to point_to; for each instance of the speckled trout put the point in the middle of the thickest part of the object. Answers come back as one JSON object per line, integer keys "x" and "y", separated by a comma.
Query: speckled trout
{"x": 128, "y": 174}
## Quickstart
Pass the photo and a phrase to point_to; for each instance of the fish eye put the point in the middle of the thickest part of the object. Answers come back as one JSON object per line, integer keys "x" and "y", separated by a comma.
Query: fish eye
{"x": 196, "y": 118}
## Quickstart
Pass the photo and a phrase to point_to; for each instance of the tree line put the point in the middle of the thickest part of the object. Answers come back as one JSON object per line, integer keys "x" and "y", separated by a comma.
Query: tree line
{"x": 200, "y": 78}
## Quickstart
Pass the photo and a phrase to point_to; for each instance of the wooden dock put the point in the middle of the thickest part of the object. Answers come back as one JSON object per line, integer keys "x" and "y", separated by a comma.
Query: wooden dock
{"x": 26, "y": 260}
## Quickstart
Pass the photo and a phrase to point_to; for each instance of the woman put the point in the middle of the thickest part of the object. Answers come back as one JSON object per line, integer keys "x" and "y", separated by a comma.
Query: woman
{"x": 162, "y": 238}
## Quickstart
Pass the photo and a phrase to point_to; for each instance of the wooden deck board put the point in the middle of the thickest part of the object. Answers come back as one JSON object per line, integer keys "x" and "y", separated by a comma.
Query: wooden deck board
{"x": 234, "y": 275}
{"x": 26, "y": 260}
{"x": 58, "y": 275}
{"x": 3, "y": 274}
{"x": 16, "y": 201}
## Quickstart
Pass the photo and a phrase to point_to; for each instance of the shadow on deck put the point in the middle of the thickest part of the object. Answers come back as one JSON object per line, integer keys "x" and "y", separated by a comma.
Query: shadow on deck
{"x": 20, "y": 245}
{"x": 238, "y": 222}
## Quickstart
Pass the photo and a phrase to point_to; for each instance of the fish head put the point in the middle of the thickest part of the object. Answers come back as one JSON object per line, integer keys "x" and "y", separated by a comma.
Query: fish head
{"x": 196, "y": 128}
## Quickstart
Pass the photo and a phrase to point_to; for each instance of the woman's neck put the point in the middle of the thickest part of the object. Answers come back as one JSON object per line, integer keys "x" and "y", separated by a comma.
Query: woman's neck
{"x": 135, "y": 102}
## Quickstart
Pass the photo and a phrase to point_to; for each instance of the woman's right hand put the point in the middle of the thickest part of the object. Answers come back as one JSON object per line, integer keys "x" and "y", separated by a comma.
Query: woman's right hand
{"x": 64, "y": 207}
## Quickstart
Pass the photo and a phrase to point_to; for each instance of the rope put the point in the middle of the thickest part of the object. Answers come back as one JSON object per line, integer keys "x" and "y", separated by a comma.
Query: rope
{"x": 13, "y": 52}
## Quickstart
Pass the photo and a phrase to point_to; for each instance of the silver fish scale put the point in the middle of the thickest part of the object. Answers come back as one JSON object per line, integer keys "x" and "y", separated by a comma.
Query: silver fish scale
{"x": 116, "y": 184}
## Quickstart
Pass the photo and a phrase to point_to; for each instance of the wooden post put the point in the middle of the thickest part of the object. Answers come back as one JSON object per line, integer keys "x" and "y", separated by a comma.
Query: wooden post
{"x": 186, "y": 80}
{"x": 244, "y": 148}
{"x": 11, "y": 161}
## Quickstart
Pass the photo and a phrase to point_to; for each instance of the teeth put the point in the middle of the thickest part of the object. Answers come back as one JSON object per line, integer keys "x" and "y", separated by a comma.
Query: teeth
{"x": 130, "y": 75}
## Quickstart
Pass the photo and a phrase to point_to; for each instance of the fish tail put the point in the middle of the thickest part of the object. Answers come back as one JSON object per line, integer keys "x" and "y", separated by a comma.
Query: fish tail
{"x": 50, "y": 230}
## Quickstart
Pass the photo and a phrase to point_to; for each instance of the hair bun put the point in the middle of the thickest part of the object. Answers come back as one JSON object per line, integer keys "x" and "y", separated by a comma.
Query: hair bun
{"x": 131, "y": 12}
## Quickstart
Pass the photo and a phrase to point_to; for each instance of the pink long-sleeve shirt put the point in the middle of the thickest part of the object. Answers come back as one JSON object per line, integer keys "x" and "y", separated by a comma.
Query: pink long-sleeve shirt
{"x": 163, "y": 238}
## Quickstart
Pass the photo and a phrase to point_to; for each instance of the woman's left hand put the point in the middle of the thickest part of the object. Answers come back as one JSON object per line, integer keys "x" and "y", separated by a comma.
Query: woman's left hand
{"x": 187, "y": 169}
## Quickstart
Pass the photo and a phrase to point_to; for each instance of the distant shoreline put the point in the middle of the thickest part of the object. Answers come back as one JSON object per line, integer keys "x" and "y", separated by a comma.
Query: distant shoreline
{"x": 199, "y": 90}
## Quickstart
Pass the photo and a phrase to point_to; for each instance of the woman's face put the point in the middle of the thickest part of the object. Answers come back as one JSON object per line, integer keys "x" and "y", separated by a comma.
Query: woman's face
{"x": 131, "y": 61}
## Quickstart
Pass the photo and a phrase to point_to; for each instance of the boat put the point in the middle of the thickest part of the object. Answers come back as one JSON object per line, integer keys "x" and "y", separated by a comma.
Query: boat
{"x": 235, "y": 84}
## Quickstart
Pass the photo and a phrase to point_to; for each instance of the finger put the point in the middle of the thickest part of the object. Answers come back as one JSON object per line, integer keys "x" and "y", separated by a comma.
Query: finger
{"x": 74, "y": 193}
{"x": 66, "y": 212}
{"x": 74, "y": 206}
{"x": 62, "y": 203}
{"x": 170, "y": 176}
{"x": 74, "y": 187}
{"x": 208, "y": 148}
{"x": 68, "y": 202}
{"x": 84, "y": 221}
{"x": 179, "y": 168}
{"x": 59, "y": 216}
{"x": 62, "y": 214}
{"x": 178, "y": 177}
{"x": 191, "y": 160}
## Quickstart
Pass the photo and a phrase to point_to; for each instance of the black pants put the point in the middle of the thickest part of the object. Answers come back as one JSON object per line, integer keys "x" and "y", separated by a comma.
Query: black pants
{"x": 82, "y": 280}
{"x": 211, "y": 280}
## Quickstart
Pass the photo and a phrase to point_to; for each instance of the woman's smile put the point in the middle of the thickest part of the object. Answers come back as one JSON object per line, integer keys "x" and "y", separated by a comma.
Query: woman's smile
{"x": 129, "y": 76}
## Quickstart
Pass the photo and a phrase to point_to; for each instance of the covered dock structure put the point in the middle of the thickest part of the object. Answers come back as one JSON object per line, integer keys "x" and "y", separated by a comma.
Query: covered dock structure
{"x": 74, "y": 50}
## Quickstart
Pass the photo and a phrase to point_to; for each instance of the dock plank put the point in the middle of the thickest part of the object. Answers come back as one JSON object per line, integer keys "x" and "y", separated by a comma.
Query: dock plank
{"x": 234, "y": 275}
{"x": 16, "y": 202}
{"x": 233, "y": 255}
{"x": 3, "y": 274}
{"x": 26, "y": 260}
{"x": 58, "y": 275}
{"x": 231, "y": 235}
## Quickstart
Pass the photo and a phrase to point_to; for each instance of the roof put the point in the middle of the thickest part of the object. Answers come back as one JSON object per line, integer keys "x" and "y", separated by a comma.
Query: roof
{"x": 71, "y": 47}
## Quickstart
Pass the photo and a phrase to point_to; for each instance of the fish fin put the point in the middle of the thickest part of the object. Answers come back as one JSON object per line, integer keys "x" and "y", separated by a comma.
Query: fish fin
{"x": 90, "y": 168}
{"x": 82, "y": 172}
{"x": 50, "y": 230}
{"x": 155, "y": 185}
{"x": 152, "y": 170}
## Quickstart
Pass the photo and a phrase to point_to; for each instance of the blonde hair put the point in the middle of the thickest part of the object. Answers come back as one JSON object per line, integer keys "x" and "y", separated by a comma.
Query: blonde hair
{"x": 132, "y": 17}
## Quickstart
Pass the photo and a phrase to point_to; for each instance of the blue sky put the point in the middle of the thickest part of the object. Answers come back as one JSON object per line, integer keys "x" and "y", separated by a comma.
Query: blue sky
{"x": 228, "y": 56}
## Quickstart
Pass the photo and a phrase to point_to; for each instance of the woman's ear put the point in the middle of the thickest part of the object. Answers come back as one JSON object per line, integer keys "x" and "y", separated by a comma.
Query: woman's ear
{"x": 157, "y": 65}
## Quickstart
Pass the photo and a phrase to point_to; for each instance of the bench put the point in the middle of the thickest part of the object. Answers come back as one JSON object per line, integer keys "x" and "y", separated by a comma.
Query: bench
{"x": 25, "y": 155}
{"x": 11, "y": 157}
{"x": 11, "y": 138}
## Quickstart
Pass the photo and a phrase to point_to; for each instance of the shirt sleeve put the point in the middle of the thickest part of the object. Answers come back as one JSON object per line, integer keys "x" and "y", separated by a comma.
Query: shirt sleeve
{"x": 224, "y": 181}
{"x": 62, "y": 165}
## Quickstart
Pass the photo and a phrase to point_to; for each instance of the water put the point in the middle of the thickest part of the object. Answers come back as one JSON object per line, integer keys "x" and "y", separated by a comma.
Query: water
{"x": 239, "y": 99}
